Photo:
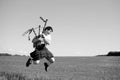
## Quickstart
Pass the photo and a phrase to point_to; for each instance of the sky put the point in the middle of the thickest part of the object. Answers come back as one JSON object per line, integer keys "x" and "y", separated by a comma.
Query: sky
{"x": 81, "y": 27}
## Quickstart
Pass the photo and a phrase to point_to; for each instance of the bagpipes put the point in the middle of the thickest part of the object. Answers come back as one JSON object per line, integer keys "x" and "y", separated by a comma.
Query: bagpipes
{"x": 29, "y": 31}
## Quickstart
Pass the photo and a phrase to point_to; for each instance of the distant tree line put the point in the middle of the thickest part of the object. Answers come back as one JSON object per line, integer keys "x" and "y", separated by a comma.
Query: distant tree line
{"x": 7, "y": 54}
{"x": 112, "y": 53}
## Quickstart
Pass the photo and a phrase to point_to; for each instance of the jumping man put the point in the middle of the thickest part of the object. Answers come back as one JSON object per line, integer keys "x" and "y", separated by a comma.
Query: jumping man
{"x": 39, "y": 43}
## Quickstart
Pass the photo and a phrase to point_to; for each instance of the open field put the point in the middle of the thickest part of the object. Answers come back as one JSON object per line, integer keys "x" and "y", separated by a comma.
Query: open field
{"x": 65, "y": 68}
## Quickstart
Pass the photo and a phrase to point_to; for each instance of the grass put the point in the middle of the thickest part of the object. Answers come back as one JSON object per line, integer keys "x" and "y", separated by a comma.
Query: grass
{"x": 12, "y": 76}
{"x": 65, "y": 68}
{"x": 19, "y": 76}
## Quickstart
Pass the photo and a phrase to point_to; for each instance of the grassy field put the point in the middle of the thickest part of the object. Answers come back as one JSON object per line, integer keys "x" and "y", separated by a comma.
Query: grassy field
{"x": 65, "y": 68}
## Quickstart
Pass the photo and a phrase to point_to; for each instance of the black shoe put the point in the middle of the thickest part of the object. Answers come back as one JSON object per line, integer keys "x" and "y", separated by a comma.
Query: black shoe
{"x": 28, "y": 62}
{"x": 46, "y": 66}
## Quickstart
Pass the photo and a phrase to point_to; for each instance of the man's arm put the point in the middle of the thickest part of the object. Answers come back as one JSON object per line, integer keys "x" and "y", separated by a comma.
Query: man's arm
{"x": 47, "y": 39}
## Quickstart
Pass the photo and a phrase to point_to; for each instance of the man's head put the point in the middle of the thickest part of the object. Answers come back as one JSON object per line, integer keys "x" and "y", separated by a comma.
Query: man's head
{"x": 48, "y": 30}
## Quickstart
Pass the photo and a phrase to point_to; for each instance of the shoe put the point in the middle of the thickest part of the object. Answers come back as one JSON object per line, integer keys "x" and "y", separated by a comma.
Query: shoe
{"x": 46, "y": 66}
{"x": 28, "y": 62}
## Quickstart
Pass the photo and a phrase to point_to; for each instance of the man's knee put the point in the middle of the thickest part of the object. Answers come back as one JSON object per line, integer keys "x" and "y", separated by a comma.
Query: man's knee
{"x": 53, "y": 59}
{"x": 36, "y": 62}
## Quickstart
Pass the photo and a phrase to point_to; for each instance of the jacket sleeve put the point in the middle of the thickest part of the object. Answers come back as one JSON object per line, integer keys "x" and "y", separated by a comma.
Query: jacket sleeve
{"x": 47, "y": 39}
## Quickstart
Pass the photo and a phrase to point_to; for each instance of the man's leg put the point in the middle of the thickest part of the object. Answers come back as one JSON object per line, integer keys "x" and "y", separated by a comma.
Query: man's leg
{"x": 28, "y": 62}
{"x": 47, "y": 64}
{"x": 31, "y": 59}
{"x": 49, "y": 56}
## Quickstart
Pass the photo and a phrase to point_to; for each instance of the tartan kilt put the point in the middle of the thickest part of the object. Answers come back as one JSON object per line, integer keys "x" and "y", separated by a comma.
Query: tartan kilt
{"x": 39, "y": 54}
